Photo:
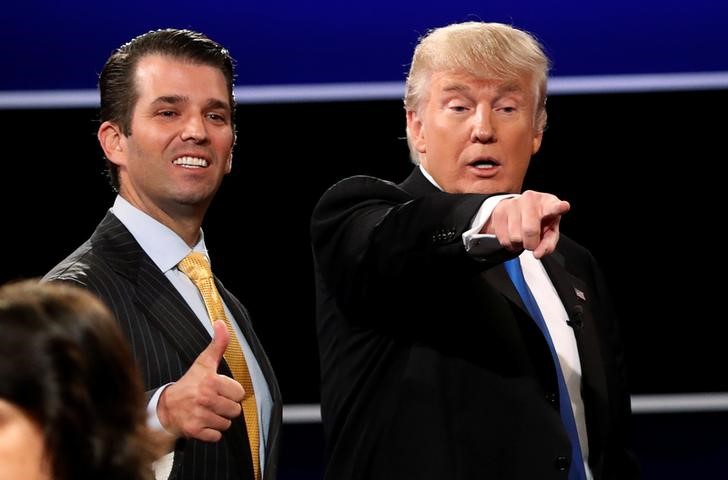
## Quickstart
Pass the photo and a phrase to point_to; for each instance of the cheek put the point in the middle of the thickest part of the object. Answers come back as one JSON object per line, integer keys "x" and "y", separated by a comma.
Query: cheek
{"x": 139, "y": 144}
{"x": 21, "y": 449}
{"x": 224, "y": 142}
{"x": 524, "y": 159}
{"x": 446, "y": 139}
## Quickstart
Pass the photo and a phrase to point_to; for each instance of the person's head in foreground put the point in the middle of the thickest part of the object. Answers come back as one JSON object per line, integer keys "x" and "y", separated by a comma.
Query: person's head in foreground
{"x": 71, "y": 399}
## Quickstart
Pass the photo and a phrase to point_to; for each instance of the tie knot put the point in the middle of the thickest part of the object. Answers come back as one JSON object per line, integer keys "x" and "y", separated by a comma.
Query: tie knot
{"x": 195, "y": 266}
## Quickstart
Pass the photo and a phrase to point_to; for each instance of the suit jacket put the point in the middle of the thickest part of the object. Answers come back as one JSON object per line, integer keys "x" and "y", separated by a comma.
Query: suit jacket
{"x": 166, "y": 337}
{"x": 431, "y": 366}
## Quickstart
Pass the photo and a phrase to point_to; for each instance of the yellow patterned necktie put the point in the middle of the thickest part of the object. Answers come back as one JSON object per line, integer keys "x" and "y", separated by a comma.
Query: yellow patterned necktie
{"x": 196, "y": 267}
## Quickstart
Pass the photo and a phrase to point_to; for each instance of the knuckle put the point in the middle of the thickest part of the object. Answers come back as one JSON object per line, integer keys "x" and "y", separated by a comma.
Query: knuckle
{"x": 192, "y": 429}
{"x": 209, "y": 381}
{"x": 205, "y": 397}
{"x": 531, "y": 232}
{"x": 529, "y": 195}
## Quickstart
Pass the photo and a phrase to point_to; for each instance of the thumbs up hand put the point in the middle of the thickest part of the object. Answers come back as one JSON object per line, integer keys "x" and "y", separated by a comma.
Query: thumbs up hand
{"x": 203, "y": 403}
{"x": 212, "y": 355}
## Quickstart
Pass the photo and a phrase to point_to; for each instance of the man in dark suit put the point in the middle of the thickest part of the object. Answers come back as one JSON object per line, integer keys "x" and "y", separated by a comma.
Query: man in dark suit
{"x": 433, "y": 364}
{"x": 167, "y": 131}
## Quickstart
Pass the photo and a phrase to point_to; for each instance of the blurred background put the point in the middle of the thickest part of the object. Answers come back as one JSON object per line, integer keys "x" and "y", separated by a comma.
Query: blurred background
{"x": 635, "y": 141}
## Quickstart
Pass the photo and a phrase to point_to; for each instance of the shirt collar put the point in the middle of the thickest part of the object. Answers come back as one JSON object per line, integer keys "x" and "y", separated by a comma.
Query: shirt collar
{"x": 429, "y": 177}
{"x": 164, "y": 247}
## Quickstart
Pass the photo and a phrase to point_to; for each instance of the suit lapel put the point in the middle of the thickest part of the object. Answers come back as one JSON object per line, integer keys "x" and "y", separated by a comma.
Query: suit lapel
{"x": 582, "y": 321}
{"x": 155, "y": 295}
{"x": 417, "y": 185}
{"x": 498, "y": 278}
{"x": 574, "y": 295}
{"x": 169, "y": 312}
{"x": 243, "y": 320}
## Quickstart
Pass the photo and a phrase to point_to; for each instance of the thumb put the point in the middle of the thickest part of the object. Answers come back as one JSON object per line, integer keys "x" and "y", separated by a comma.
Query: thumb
{"x": 211, "y": 356}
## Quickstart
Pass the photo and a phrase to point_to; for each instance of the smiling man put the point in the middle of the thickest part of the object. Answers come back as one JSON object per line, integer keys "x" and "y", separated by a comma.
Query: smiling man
{"x": 167, "y": 132}
{"x": 460, "y": 335}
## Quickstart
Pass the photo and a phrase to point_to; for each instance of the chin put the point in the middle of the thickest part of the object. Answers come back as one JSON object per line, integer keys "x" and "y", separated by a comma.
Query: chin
{"x": 482, "y": 187}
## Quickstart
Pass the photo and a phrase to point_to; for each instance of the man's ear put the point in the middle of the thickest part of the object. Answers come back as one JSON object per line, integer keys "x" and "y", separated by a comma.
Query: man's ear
{"x": 537, "y": 139}
{"x": 112, "y": 142}
{"x": 416, "y": 131}
{"x": 229, "y": 166}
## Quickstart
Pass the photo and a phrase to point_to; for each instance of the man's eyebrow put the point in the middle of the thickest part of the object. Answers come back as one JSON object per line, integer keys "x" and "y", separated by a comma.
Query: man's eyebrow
{"x": 508, "y": 87}
{"x": 215, "y": 103}
{"x": 170, "y": 99}
{"x": 212, "y": 103}
{"x": 456, "y": 87}
{"x": 511, "y": 87}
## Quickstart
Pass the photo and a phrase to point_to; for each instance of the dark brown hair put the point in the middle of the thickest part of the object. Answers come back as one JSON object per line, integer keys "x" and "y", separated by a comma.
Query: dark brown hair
{"x": 66, "y": 364}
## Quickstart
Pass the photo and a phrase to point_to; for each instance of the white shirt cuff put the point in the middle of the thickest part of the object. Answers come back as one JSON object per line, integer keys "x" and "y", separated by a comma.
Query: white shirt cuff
{"x": 481, "y": 244}
{"x": 152, "y": 417}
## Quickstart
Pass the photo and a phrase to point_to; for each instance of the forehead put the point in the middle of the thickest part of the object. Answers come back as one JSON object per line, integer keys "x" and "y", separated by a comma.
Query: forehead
{"x": 463, "y": 81}
{"x": 164, "y": 75}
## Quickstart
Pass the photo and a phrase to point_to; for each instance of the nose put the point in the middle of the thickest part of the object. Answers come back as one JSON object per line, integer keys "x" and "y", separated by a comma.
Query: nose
{"x": 194, "y": 129}
{"x": 483, "y": 130}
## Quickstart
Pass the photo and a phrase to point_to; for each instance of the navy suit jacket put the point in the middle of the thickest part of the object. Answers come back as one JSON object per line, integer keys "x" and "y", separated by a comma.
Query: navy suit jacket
{"x": 431, "y": 366}
{"x": 166, "y": 337}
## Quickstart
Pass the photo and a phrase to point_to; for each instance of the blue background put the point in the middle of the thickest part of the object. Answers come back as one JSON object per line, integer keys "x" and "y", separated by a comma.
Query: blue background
{"x": 60, "y": 45}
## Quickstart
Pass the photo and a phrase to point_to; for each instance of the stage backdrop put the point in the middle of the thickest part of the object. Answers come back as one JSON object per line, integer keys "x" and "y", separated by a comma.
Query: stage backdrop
{"x": 61, "y": 45}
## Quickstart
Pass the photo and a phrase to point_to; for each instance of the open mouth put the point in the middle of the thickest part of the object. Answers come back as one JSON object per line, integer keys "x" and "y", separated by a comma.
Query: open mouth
{"x": 484, "y": 163}
{"x": 191, "y": 162}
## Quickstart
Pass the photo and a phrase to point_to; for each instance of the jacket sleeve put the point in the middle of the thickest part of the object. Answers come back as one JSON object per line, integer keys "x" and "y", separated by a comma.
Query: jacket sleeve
{"x": 370, "y": 235}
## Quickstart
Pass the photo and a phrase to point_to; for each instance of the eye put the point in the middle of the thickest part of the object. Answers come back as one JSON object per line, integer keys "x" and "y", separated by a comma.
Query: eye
{"x": 506, "y": 109}
{"x": 167, "y": 113}
{"x": 217, "y": 117}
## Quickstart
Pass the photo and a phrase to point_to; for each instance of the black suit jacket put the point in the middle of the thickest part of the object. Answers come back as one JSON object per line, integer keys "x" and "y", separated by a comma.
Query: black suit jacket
{"x": 431, "y": 366}
{"x": 166, "y": 337}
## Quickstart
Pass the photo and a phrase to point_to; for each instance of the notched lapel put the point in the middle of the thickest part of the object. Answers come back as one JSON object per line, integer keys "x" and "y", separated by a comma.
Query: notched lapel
{"x": 243, "y": 320}
{"x": 417, "y": 185}
{"x": 594, "y": 385}
{"x": 169, "y": 312}
{"x": 163, "y": 306}
{"x": 574, "y": 295}
{"x": 499, "y": 279}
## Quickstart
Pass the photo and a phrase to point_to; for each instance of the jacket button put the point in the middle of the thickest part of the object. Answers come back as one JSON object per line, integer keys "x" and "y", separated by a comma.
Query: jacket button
{"x": 551, "y": 398}
{"x": 561, "y": 463}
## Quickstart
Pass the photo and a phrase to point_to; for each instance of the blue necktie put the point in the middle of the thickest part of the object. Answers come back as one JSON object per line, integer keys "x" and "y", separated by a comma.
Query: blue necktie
{"x": 576, "y": 472}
